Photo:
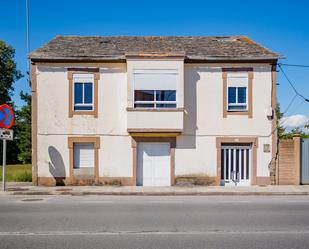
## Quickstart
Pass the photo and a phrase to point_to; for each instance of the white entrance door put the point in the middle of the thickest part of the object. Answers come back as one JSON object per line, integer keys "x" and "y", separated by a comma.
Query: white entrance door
{"x": 235, "y": 163}
{"x": 153, "y": 164}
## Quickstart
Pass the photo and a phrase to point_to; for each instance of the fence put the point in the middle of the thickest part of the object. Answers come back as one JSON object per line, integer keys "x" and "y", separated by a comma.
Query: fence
{"x": 304, "y": 171}
{"x": 289, "y": 161}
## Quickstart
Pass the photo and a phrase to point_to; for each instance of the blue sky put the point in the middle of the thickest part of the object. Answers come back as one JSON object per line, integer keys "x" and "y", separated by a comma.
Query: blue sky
{"x": 282, "y": 26}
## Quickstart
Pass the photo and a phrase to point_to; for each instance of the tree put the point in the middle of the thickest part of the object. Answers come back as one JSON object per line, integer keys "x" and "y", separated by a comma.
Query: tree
{"x": 23, "y": 129}
{"x": 295, "y": 131}
{"x": 283, "y": 134}
{"x": 8, "y": 75}
{"x": 8, "y": 72}
{"x": 280, "y": 128}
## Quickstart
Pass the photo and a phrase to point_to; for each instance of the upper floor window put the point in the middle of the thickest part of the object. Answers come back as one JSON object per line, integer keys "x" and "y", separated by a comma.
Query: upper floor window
{"x": 237, "y": 98}
{"x": 83, "y": 92}
{"x": 155, "y": 98}
{"x": 155, "y": 88}
{"x": 237, "y": 92}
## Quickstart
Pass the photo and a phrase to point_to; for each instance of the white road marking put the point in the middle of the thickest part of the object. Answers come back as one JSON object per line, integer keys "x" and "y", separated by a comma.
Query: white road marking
{"x": 297, "y": 201}
{"x": 87, "y": 233}
{"x": 164, "y": 202}
{"x": 97, "y": 201}
{"x": 234, "y": 201}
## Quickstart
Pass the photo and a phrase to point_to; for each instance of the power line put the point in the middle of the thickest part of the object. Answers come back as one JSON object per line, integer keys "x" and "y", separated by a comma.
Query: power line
{"x": 298, "y": 106}
{"x": 297, "y": 94}
{"x": 274, "y": 158}
{"x": 292, "y": 65}
{"x": 292, "y": 85}
{"x": 290, "y": 104}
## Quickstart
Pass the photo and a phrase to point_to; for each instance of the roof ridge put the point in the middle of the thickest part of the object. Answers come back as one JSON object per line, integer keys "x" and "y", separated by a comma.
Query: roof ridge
{"x": 143, "y": 36}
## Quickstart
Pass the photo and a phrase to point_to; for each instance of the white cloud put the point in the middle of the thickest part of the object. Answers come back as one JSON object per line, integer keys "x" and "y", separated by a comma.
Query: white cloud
{"x": 294, "y": 121}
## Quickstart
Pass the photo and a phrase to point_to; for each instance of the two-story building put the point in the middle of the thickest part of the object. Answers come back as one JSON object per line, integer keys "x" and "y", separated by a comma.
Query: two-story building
{"x": 146, "y": 110}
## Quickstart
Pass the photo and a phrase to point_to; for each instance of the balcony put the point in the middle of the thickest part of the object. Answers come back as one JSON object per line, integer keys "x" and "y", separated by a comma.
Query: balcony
{"x": 155, "y": 120}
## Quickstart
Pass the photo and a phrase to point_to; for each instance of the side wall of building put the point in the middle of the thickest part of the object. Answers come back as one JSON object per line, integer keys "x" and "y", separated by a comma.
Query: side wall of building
{"x": 54, "y": 125}
{"x": 196, "y": 151}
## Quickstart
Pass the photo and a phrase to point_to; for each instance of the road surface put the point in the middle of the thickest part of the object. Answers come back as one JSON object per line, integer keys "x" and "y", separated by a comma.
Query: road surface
{"x": 92, "y": 222}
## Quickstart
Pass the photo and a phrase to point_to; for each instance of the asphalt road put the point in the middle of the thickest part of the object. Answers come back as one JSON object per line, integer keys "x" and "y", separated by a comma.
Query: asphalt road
{"x": 154, "y": 222}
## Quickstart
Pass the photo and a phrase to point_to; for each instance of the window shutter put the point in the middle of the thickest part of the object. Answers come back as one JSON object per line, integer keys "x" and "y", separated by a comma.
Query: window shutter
{"x": 83, "y": 155}
{"x": 155, "y": 80}
{"x": 237, "y": 79}
{"x": 83, "y": 77}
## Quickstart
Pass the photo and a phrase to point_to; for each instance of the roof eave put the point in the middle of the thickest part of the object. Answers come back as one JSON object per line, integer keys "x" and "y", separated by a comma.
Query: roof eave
{"x": 76, "y": 58}
{"x": 225, "y": 58}
{"x": 123, "y": 59}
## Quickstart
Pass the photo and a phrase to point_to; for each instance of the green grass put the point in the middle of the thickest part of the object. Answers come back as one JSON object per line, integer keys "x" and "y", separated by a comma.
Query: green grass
{"x": 17, "y": 173}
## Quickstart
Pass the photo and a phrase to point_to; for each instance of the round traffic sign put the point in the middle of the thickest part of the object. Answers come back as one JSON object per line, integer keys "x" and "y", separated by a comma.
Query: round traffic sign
{"x": 6, "y": 116}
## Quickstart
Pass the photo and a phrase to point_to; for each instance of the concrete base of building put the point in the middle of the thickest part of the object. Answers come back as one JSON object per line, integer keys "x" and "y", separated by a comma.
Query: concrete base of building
{"x": 69, "y": 181}
{"x": 131, "y": 181}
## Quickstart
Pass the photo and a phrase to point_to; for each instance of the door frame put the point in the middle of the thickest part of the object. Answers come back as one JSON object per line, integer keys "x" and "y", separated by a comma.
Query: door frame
{"x": 87, "y": 140}
{"x": 235, "y": 140}
{"x": 234, "y": 147}
{"x": 170, "y": 140}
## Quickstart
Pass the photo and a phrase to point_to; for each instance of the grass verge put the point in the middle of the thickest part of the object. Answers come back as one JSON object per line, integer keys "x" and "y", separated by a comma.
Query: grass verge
{"x": 17, "y": 173}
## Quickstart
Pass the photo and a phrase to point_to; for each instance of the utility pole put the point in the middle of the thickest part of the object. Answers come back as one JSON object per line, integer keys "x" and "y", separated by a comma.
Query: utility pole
{"x": 28, "y": 41}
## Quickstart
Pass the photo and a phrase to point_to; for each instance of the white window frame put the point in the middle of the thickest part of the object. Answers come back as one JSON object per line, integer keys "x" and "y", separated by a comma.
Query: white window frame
{"x": 156, "y": 102}
{"x": 153, "y": 71}
{"x": 237, "y": 85}
{"x": 83, "y": 79}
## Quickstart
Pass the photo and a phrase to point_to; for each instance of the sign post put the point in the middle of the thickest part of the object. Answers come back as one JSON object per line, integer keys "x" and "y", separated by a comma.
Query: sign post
{"x": 3, "y": 165}
{"x": 5, "y": 135}
{"x": 6, "y": 122}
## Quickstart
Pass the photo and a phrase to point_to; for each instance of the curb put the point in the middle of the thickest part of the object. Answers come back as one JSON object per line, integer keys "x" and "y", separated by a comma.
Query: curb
{"x": 178, "y": 193}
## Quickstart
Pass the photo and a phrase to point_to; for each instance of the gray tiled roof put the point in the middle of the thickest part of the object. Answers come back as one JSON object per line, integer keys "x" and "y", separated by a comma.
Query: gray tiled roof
{"x": 117, "y": 47}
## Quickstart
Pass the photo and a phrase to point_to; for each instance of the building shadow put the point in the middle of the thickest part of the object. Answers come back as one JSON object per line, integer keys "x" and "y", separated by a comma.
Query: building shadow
{"x": 56, "y": 166}
{"x": 188, "y": 139}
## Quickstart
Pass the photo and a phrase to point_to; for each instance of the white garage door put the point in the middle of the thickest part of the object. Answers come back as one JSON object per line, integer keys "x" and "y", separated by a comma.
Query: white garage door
{"x": 153, "y": 164}
{"x": 83, "y": 156}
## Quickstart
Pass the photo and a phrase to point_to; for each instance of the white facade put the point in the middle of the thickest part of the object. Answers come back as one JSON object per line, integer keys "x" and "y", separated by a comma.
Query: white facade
{"x": 198, "y": 119}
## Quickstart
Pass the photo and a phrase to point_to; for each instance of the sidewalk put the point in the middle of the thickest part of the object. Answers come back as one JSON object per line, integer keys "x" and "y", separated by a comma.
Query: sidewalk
{"x": 28, "y": 189}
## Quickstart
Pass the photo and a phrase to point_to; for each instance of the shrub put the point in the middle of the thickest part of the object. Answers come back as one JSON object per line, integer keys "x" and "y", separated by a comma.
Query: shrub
{"x": 23, "y": 177}
{"x": 196, "y": 179}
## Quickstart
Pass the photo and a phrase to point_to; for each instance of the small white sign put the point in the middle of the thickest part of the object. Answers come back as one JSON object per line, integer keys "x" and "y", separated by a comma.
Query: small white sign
{"x": 266, "y": 148}
{"x": 6, "y": 134}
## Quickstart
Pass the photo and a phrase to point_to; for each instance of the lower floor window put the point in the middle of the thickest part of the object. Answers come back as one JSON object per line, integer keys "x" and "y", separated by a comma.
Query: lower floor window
{"x": 155, "y": 99}
{"x": 83, "y": 155}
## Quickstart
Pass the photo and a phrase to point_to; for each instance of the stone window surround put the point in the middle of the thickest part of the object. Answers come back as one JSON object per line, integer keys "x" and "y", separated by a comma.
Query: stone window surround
{"x": 225, "y": 72}
{"x": 96, "y": 74}
{"x": 96, "y": 143}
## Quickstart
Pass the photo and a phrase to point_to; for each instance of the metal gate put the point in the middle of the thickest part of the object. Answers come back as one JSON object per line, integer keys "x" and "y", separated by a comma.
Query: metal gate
{"x": 235, "y": 165}
{"x": 305, "y": 161}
